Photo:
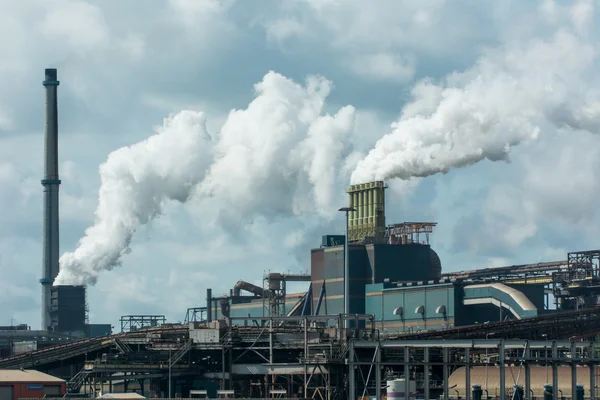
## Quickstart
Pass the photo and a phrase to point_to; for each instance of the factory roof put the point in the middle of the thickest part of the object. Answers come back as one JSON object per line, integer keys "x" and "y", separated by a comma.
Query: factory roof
{"x": 28, "y": 375}
{"x": 121, "y": 396}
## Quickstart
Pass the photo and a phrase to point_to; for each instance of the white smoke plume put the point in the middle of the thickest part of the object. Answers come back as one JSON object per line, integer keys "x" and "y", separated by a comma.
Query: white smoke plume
{"x": 281, "y": 146}
{"x": 502, "y": 101}
{"x": 283, "y": 156}
{"x": 135, "y": 183}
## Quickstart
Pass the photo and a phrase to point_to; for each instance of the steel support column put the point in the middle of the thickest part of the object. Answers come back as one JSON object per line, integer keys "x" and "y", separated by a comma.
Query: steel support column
{"x": 406, "y": 373}
{"x": 426, "y": 372}
{"x": 378, "y": 372}
{"x": 468, "y": 374}
{"x": 351, "y": 377}
{"x": 445, "y": 372}
{"x": 592, "y": 367}
{"x": 554, "y": 371}
{"x": 502, "y": 370}
{"x": 527, "y": 372}
{"x": 304, "y": 393}
{"x": 573, "y": 371}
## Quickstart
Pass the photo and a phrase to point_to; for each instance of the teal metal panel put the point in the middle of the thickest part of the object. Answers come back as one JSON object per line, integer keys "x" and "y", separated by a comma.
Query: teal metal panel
{"x": 374, "y": 288}
{"x": 430, "y": 297}
{"x": 255, "y": 310}
{"x": 392, "y": 300}
{"x": 414, "y": 299}
{"x": 332, "y": 306}
{"x": 435, "y": 297}
{"x": 374, "y": 300}
{"x": 490, "y": 292}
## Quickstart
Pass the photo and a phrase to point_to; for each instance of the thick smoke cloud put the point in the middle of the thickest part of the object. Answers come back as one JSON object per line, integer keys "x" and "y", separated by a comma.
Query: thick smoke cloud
{"x": 281, "y": 146}
{"x": 503, "y": 100}
{"x": 283, "y": 155}
{"x": 136, "y": 182}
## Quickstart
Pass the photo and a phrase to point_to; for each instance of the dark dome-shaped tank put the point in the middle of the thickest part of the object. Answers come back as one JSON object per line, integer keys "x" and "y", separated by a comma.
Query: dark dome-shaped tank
{"x": 436, "y": 265}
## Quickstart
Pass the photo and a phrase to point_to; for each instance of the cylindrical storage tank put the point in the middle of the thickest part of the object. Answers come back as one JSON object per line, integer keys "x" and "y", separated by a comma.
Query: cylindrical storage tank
{"x": 476, "y": 392}
{"x": 397, "y": 387}
{"x": 518, "y": 392}
{"x": 579, "y": 392}
{"x": 548, "y": 392}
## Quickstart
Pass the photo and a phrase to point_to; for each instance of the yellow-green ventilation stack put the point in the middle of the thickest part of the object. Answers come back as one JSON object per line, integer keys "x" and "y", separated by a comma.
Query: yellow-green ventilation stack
{"x": 368, "y": 221}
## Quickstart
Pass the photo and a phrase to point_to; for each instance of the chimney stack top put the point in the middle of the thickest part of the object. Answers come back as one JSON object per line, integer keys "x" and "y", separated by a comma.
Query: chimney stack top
{"x": 51, "y": 77}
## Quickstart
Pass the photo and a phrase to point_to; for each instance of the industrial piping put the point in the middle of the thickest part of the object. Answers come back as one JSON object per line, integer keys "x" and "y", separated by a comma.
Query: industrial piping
{"x": 51, "y": 183}
{"x": 248, "y": 287}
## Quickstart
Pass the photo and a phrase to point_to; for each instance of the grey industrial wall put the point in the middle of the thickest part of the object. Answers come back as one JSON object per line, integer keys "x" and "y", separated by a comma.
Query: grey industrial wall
{"x": 67, "y": 308}
{"x": 327, "y": 264}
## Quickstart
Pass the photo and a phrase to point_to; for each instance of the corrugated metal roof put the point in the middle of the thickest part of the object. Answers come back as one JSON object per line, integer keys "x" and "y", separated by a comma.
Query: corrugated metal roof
{"x": 17, "y": 375}
{"x": 121, "y": 396}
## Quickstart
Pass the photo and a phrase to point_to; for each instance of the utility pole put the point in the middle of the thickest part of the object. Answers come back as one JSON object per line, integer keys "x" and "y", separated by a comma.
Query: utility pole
{"x": 346, "y": 210}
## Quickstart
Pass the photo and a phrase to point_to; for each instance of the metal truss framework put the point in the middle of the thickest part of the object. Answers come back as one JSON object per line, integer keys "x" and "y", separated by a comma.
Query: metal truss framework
{"x": 196, "y": 314}
{"x": 584, "y": 265}
{"x": 275, "y": 291}
{"x": 309, "y": 356}
{"x": 420, "y": 358}
{"x": 132, "y": 323}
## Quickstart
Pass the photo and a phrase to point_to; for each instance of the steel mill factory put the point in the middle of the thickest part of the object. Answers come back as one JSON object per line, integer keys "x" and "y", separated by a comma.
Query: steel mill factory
{"x": 380, "y": 319}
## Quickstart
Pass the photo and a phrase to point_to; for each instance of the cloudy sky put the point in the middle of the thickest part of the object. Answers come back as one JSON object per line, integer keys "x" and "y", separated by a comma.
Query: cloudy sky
{"x": 206, "y": 141}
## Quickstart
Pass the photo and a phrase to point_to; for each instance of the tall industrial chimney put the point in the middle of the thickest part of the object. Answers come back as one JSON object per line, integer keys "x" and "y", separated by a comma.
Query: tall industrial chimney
{"x": 51, "y": 183}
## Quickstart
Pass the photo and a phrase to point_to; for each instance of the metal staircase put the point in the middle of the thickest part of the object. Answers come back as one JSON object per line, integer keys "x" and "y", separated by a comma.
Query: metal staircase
{"x": 76, "y": 382}
{"x": 182, "y": 351}
{"x": 342, "y": 352}
{"x": 122, "y": 346}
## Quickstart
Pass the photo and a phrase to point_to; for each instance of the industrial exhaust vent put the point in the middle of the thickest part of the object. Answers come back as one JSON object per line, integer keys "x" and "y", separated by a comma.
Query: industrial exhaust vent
{"x": 368, "y": 221}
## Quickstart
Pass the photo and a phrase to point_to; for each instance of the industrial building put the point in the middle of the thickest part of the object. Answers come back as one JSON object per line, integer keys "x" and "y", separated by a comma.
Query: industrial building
{"x": 379, "y": 317}
{"x": 397, "y": 277}
{"x": 23, "y": 384}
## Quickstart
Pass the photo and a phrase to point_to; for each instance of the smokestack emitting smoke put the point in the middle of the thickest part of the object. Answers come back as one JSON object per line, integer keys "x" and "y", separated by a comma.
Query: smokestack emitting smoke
{"x": 51, "y": 183}
{"x": 282, "y": 156}
{"x": 485, "y": 111}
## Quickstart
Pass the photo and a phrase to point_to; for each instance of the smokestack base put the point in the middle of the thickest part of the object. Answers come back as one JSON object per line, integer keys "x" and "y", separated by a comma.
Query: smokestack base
{"x": 51, "y": 77}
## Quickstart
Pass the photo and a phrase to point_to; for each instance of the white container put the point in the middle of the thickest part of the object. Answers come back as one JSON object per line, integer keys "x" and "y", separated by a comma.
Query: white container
{"x": 204, "y": 335}
{"x": 397, "y": 387}
{"x": 23, "y": 347}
